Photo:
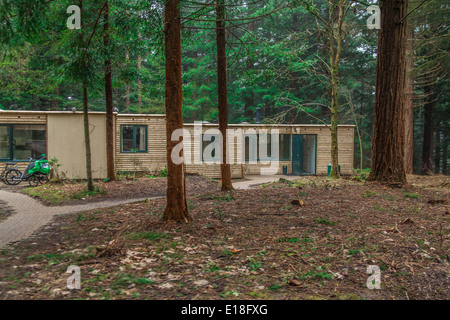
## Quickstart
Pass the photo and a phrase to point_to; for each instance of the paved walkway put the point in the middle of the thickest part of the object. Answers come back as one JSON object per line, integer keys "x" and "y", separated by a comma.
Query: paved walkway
{"x": 29, "y": 214}
{"x": 252, "y": 181}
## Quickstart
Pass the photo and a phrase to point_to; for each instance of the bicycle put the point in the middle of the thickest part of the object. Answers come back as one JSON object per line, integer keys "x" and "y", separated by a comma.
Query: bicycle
{"x": 36, "y": 173}
{"x": 8, "y": 166}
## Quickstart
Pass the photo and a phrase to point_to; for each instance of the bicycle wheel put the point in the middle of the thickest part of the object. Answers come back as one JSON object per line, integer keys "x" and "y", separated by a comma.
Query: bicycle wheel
{"x": 3, "y": 177}
{"x": 13, "y": 177}
{"x": 43, "y": 178}
{"x": 33, "y": 181}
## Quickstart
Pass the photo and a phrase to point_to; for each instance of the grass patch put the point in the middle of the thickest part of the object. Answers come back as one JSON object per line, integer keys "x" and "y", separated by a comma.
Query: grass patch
{"x": 316, "y": 275}
{"x": 86, "y": 193}
{"x": 226, "y": 197}
{"x": 410, "y": 195}
{"x": 369, "y": 194}
{"x": 124, "y": 279}
{"x": 46, "y": 194}
{"x": 325, "y": 221}
{"x": 291, "y": 240}
{"x": 275, "y": 287}
{"x": 151, "y": 236}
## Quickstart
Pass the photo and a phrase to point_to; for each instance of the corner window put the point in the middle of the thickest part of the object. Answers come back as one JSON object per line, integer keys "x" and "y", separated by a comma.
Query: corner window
{"x": 22, "y": 141}
{"x": 133, "y": 139}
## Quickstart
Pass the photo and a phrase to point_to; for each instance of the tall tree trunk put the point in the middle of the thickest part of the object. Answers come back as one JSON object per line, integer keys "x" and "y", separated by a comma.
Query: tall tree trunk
{"x": 110, "y": 170}
{"x": 176, "y": 208}
{"x": 87, "y": 139}
{"x": 127, "y": 87}
{"x": 428, "y": 130}
{"x": 250, "y": 65}
{"x": 139, "y": 95}
{"x": 222, "y": 92}
{"x": 437, "y": 149}
{"x": 294, "y": 74}
{"x": 444, "y": 153}
{"x": 335, "y": 54}
{"x": 409, "y": 103}
{"x": 388, "y": 143}
{"x": 54, "y": 105}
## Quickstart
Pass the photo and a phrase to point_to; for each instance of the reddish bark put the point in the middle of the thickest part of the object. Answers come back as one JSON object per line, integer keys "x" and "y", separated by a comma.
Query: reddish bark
{"x": 388, "y": 146}
{"x": 428, "y": 130}
{"x": 409, "y": 103}
{"x": 176, "y": 208}
{"x": 222, "y": 92}
{"x": 111, "y": 173}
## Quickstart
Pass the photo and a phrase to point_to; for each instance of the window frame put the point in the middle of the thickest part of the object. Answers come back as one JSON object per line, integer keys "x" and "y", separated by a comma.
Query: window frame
{"x": 135, "y": 126}
{"x": 10, "y": 127}
{"x": 269, "y": 148}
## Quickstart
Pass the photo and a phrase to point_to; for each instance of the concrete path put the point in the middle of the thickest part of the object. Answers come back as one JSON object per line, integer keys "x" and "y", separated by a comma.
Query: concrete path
{"x": 29, "y": 214}
{"x": 252, "y": 181}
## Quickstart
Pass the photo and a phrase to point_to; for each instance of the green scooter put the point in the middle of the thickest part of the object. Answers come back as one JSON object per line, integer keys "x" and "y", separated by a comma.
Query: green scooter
{"x": 36, "y": 173}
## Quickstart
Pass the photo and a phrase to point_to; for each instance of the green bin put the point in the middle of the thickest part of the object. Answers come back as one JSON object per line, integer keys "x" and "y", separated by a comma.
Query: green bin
{"x": 329, "y": 169}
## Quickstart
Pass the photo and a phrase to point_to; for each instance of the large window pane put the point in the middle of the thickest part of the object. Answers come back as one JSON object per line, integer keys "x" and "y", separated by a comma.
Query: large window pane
{"x": 141, "y": 138}
{"x": 210, "y": 147}
{"x": 4, "y": 142}
{"x": 127, "y": 138}
{"x": 259, "y": 147}
{"x": 309, "y": 154}
{"x": 285, "y": 147}
{"x": 264, "y": 146}
{"x": 250, "y": 147}
{"x": 133, "y": 138}
{"x": 29, "y": 141}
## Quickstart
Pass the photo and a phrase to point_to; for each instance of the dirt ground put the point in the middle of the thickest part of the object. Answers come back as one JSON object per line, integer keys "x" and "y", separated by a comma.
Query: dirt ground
{"x": 69, "y": 193}
{"x": 308, "y": 239}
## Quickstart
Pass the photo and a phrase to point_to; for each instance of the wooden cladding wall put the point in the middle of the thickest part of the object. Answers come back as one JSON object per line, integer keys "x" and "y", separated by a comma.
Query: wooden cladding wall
{"x": 155, "y": 157}
{"x": 23, "y": 118}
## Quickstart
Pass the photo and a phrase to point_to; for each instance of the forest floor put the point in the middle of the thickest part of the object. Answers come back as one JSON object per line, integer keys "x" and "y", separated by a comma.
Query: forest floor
{"x": 130, "y": 187}
{"x": 312, "y": 238}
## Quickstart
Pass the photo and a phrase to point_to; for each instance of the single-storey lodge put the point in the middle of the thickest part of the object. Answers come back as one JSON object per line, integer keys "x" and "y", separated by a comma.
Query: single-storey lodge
{"x": 140, "y": 144}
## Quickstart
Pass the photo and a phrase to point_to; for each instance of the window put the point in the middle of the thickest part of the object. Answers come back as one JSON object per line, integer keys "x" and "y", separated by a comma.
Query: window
{"x": 211, "y": 147}
{"x": 22, "y": 141}
{"x": 4, "y": 142}
{"x": 133, "y": 139}
{"x": 285, "y": 147}
{"x": 254, "y": 152}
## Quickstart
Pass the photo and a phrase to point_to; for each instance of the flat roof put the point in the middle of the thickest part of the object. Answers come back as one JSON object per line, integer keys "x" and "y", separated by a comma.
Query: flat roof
{"x": 163, "y": 116}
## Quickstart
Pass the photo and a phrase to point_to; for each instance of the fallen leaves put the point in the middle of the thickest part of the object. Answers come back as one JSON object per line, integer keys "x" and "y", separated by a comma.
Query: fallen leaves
{"x": 294, "y": 283}
{"x": 297, "y": 202}
{"x": 407, "y": 221}
{"x": 437, "y": 201}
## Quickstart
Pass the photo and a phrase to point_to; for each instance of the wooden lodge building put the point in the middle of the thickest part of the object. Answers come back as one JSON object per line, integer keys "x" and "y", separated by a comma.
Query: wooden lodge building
{"x": 140, "y": 144}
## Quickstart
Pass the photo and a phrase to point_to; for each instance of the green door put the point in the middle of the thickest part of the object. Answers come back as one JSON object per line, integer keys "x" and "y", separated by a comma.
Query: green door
{"x": 297, "y": 154}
